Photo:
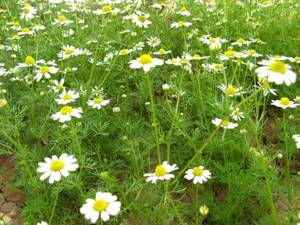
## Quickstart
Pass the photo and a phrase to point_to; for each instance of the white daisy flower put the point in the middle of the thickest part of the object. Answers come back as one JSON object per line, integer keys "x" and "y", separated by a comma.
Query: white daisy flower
{"x": 180, "y": 24}
{"x": 162, "y": 51}
{"x": 28, "y": 12}
{"x": 68, "y": 51}
{"x": 198, "y": 175}
{"x": 107, "y": 9}
{"x": 214, "y": 67}
{"x": 54, "y": 168}
{"x": 141, "y": 19}
{"x": 252, "y": 53}
{"x": 104, "y": 206}
{"x": 46, "y": 71}
{"x": 284, "y": 103}
{"x": 26, "y": 31}
{"x": 97, "y": 103}
{"x": 240, "y": 42}
{"x": 296, "y": 137}
{"x": 224, "y": 123}
{"x": 62, "y": 20}
{"x": 146, "y": 62}
{"x": 230, "y": 90}
{"x": 67, "y": 97}
{"x": 277, "y": 72}
{"x": 231, "y": 54}
{"x": 183, "y": 11}
{"x": 58, "y": 86}
{"x": 236, "y": 114}
{"x": 162, "y": 172}
{"x": 66, "y": 113}
{"x": 153, "y": 41}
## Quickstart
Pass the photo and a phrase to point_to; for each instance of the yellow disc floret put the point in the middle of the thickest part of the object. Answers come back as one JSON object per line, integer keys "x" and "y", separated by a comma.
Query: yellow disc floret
{"x": 66, "y": 110}
{"x": 57, "y": 165}
{"x": 197, "y": 171}
{"x": 146, "y": 59}
{"x": 278, "y": 67}
{"x": 100, "y": 205}
{"x": 284, "y": 101}
{"x": 160, "y": 171}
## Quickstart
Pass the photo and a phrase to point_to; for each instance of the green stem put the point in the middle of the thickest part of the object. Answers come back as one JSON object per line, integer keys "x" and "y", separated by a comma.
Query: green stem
{"x": 54, "y": 205}
{"x": 154, "y": 119}
{"x": 273, "y": 209}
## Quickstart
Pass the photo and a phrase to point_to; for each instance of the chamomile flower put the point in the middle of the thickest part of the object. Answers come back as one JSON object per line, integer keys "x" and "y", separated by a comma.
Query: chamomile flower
{"x": 46, "y": 71}
{"x": 153, "y": 41}
{"x": 58, "y": 86}
{"x": 28, "y": 62}
{"x": 284, "y": 103}
{"x": 66, "y": 113}
{"x": 67, "y": 97}
{"x": 224, "y": 123}
{"x": 240, "y": 42}
{"x": 146, "y": 62}
{"x": 230, "y": 90}
{"x": 214, "y": 67}
{"x": 68, "y": 51}
{"x": 214, "y": 43}
{"x": 107, "y": 9}
{"x": 162, "y": 172}
{"x": 181, "y": 24}
{"x": 198, "y": 175}
{"x": 97, "y": 102}
{"x": 183, "y": 11}
{"x": 141, "y": 19}
{"x": 296, "y": 137}
{"x": 236, "y": 114}
{"x": 62, "y": 20}
{"x": 162, "y": 51}
{"x": 104, "y": 206}
{"x": 54, "y": 168}
{"x": 252, "y": 53}
{"x": 276, "y": 72}
{"x": 28, "y": 12}
{"x": 26, "y": 31}
{"x": 231, "y": 54}
{"x": 266, "y": 87}
{"x": 124, "y": 51}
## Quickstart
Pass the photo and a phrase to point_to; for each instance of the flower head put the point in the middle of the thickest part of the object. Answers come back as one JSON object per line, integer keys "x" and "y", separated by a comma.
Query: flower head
{"x": 162, "y": 172}
{"x": 198, "y": 175}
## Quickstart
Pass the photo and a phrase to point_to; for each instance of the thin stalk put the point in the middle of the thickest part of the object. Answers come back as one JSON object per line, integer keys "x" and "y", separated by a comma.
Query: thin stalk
{"x": 154, "y": 118}
{"x": 54, "y": 205}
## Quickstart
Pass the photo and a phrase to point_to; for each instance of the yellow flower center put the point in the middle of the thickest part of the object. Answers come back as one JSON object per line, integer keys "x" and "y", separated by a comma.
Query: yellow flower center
{"x": 241, "y": 40}
{"x": 162, "y": 51}
{"x": 251, "y": 51}
{"x": 69, "y": 51}
{"x": 123, "y": 52}
{"x": 100, "y": 205}
{"x": 224, "y": 123}
{"x": 25, "y": 29}
{"x": 67, "y": 97}
{"x": 45, "y": 69}
{"x": 160, "y": 171}
{"x": 26, "y": 9}
{"x": 297, "y": 58}
{"x": 57, "y": 165}
{"x": 183, "y": 9}
{"x": 217, "y": 66}
{"x": 62, "y": 18}
{"x": 142, "y": 18}
{"x": 229, "y": 53}
{"x": 231, "y": 90}
{"x": 284, "y": 101}
{"x": 16, "y": 24}
{"x": 197, "y": 171}
{"x": 98, "y": 100}
{"x": 29, "y": 60}
{"x": 212, "y": 39}
{"x": 66, "y": 110}
{"x": 196, "y": 56}
{"x": 146, "y": 59}
{"x": 181, "y": 23}
{"x": 60, "y": 86}
{"x": 278, "y": 67}
{"x": 107, "y": 9}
